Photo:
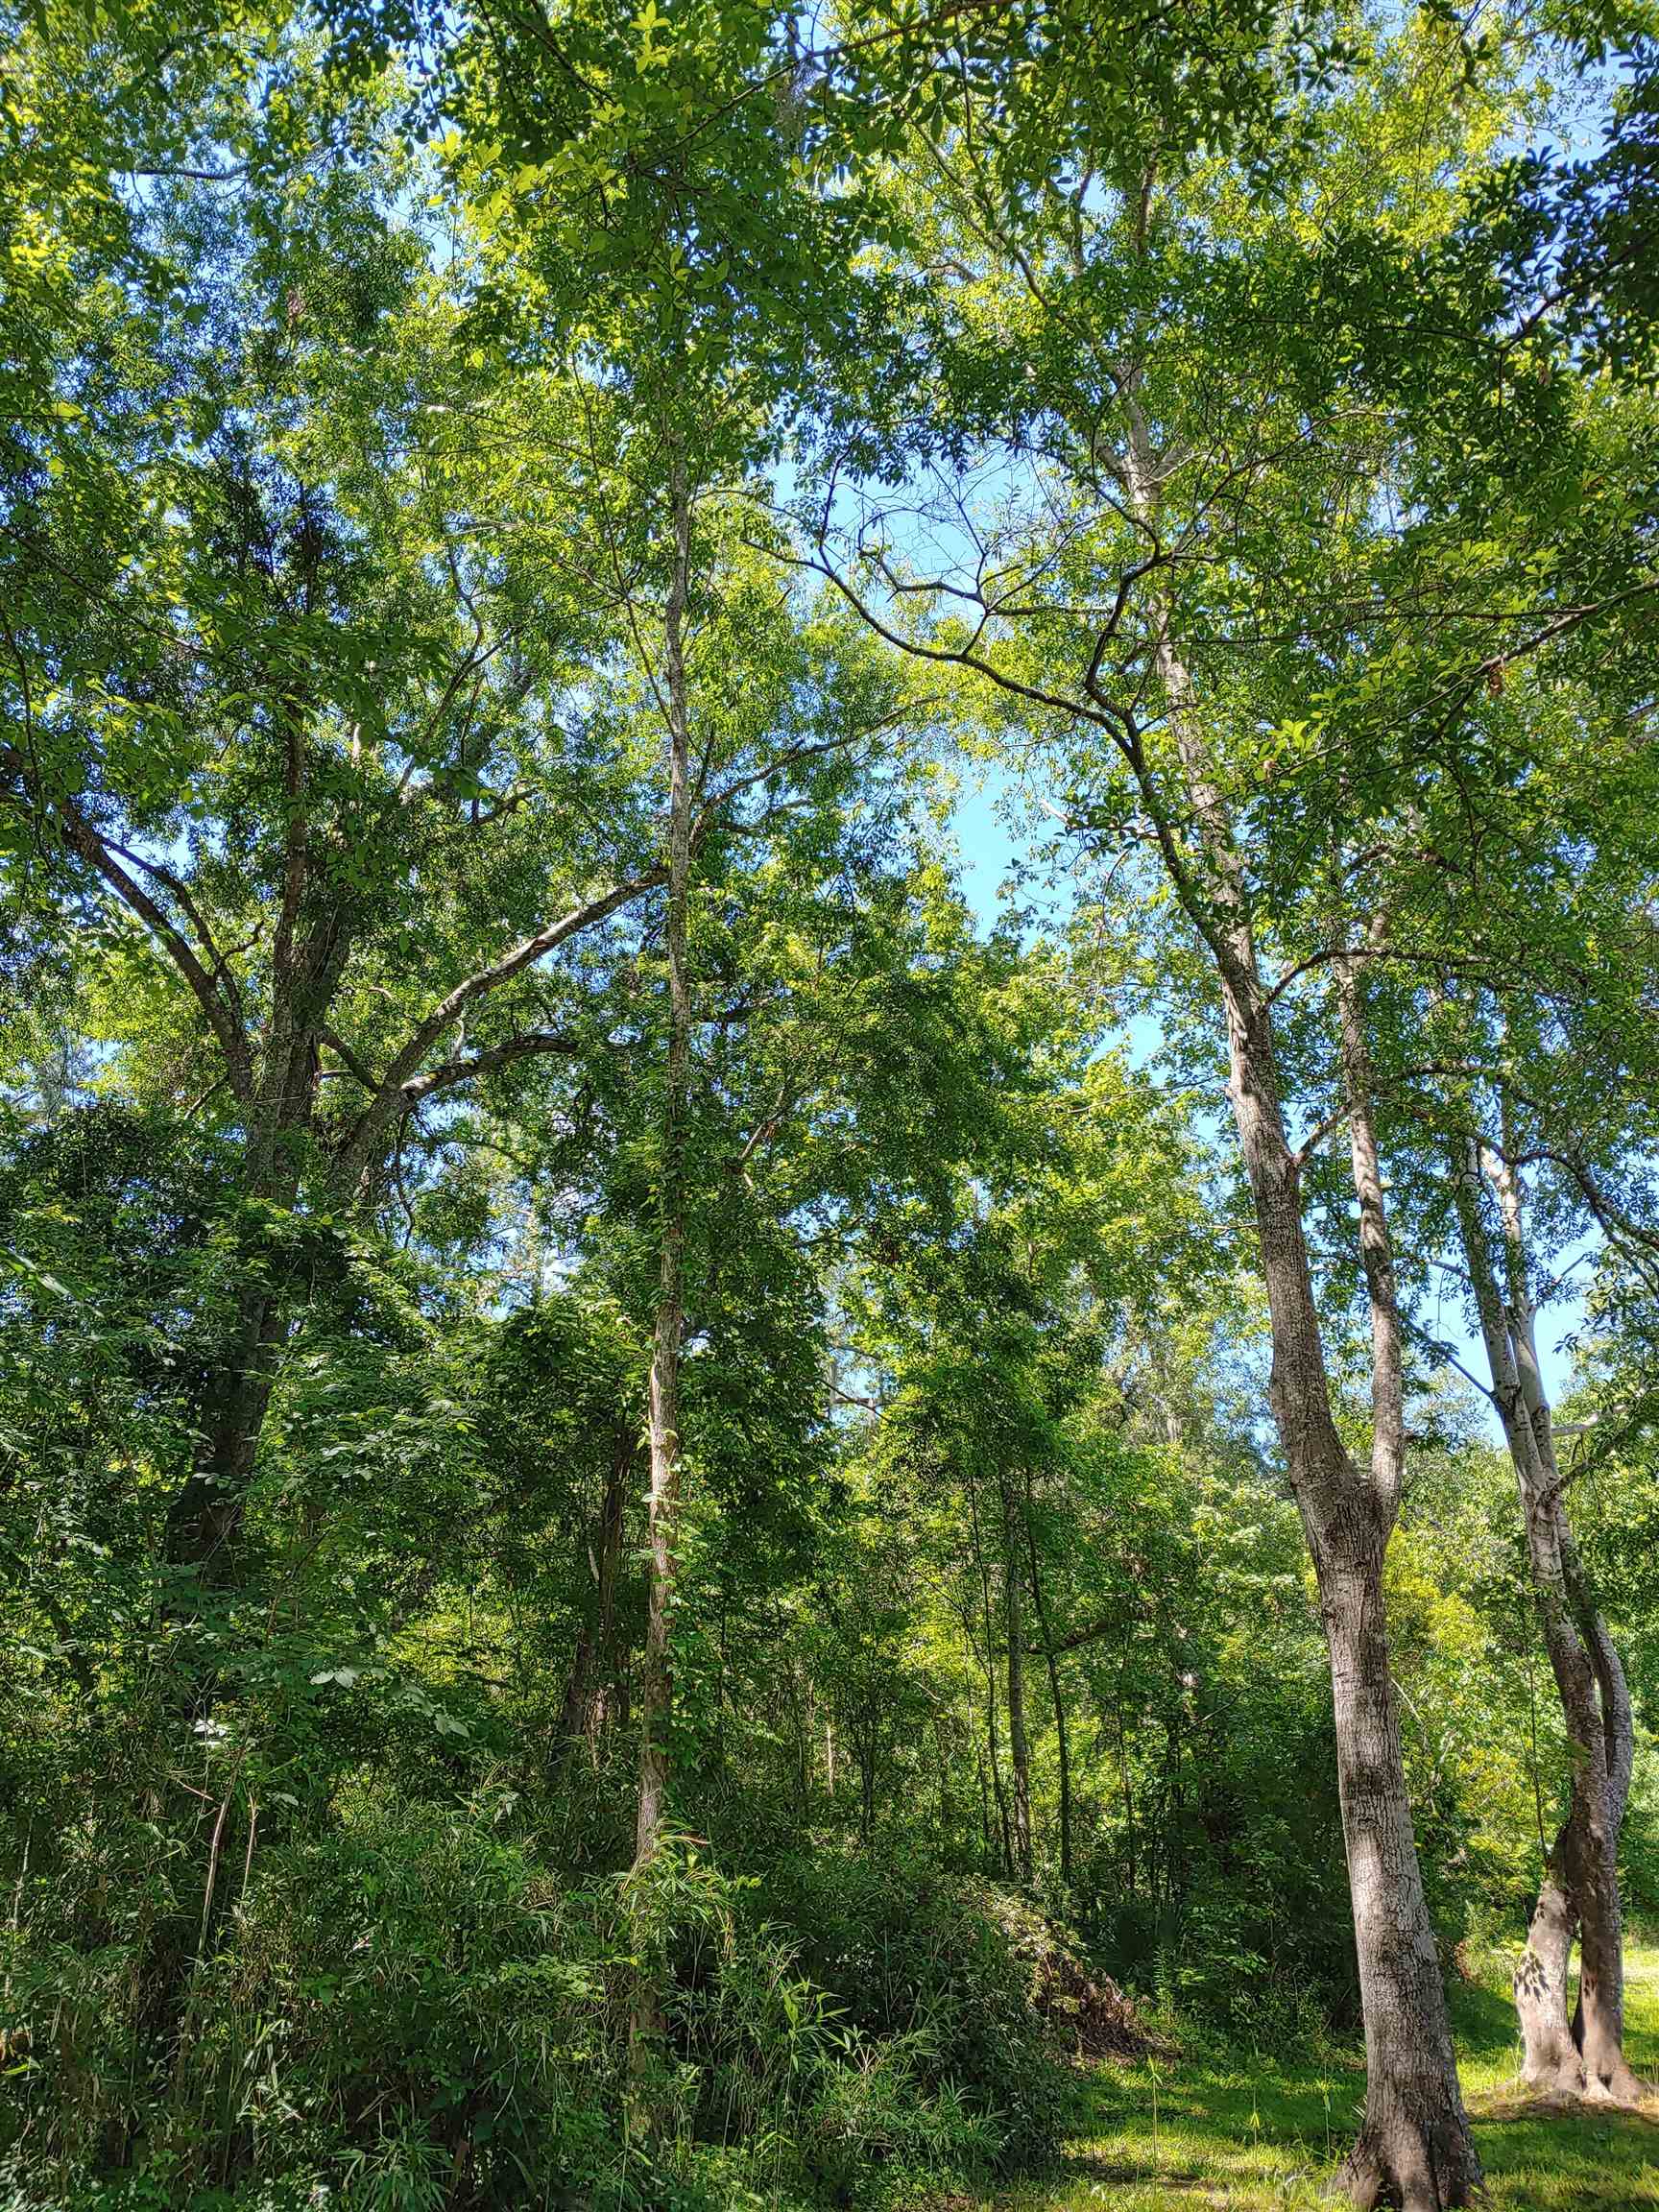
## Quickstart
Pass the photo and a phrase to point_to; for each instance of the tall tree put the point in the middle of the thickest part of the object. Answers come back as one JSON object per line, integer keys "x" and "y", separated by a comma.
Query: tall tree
{"x": 1580, "y": 1888}
{"x": 1098, "y": 349}
{"x": 664, "y": 1396}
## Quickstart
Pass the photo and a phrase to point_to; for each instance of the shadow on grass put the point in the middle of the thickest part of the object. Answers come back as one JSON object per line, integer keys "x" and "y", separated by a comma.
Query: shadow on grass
{"x": 1233, "y": 2131}
{"x": 1482, "y": 2022}
{"x": 1253, "y": 2132}
{"x": 1242, "y": 2130}
{"x": 1580, "y": 2161}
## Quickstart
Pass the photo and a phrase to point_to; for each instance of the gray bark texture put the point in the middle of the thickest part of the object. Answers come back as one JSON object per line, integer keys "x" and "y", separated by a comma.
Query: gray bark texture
{"x": 1014, "y": 1548}
{"x": 1579, "y": 1892}
{"x": 1414, "y": 2146}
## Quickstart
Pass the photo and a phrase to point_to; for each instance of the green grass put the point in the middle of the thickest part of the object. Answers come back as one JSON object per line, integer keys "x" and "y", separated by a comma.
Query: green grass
{"x": 1223, "y": 2130}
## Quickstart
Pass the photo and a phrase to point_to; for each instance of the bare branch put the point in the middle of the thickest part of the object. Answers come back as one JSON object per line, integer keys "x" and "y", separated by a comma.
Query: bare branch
{"x": 393, "y": 1092}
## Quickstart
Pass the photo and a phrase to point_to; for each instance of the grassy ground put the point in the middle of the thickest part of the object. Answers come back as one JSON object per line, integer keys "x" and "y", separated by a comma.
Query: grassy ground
{"x": 1225, "y": 2132}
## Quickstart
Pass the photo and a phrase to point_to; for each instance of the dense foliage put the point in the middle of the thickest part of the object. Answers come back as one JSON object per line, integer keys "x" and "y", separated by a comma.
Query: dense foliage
{"x": 668, "y": 1498}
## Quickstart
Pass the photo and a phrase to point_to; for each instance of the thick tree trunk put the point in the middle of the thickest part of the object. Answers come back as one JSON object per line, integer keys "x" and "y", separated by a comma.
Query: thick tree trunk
{"x": 1599, "y": 2018}
{"x": 589, "y": 1693}
{"x": 205, "y": 1516}
{"x": 1606, "y": 1712}
{"x": 1414, "y": 2146}
{"x": 1599, "y": 2023}
{"x": 1580, "y": 1882}
{"x": 1549, "y": 2055}
{"x": 656, "y": 1690}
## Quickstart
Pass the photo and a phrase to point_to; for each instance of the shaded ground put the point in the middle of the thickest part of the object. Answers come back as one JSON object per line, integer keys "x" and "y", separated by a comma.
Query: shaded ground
{"x": 1221, "y": 2132}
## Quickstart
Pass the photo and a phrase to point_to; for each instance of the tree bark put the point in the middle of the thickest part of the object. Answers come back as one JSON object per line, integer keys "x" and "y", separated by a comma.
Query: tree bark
{"x": 1414, "y": 2144}
{"x": 1132, "y": 1854}
{"x": 586, "y": 1707}
{"x": 997, "y": 1789}
{"x": 1550, "y": 2057}
{"x": 204, "y": 1515}
{"x": 1580, "y": 1891}
{"x": 1599, "y": 2020}
{"x": 657, "y": 1691}
{"x": 311, "y": 943}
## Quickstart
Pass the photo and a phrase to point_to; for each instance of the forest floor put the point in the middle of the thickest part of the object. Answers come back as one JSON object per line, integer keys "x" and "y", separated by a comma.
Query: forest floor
{"x": 1230, "y": 2134}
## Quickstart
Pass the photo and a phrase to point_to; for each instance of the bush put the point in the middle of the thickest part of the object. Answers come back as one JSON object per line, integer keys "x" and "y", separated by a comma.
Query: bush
{"x": 405, "y": 2013}
{"x": 827, "y": 2098}
{"x": 411, "y": 2011}
{"x": 929, "y": 1963}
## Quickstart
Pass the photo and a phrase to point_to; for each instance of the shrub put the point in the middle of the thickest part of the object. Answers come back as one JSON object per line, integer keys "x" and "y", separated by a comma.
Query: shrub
{"x": 411, "y": 2011}
{"x": 929, "y": 1963}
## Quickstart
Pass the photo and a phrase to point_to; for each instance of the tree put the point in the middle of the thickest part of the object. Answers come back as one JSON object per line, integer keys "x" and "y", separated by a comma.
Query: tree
{"x": 1581, "y": 1875}
{"x": 1162, "y": 475}
{"x": 289, "y": 779}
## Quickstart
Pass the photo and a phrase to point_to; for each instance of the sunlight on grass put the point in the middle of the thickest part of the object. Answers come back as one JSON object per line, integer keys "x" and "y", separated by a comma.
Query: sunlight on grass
{"x": 1213, "y": 2130}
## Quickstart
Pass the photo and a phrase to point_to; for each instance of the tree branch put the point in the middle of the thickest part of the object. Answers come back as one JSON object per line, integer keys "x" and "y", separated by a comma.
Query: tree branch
{"x": 222, "y": 1016}
{"x": 531, "y": 1043}
{"x": 393, "y": 1092}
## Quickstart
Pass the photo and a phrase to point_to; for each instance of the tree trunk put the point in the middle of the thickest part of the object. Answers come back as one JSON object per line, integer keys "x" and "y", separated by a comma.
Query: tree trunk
{"x": 1580, "y": 1882}
{"x": 997, "y": 1789}
{"x": 1004, "y": 1828}
{"x": 1549, "y": 2057}
{"x": 1414, "y": 2144}
{"x": 1599, "y": 2022}
{"x": 803, "y": 1705}
{"x": 657, "y": 1691}
{"x": 1061, "y": 1733}
{"x": 1133, "y": 1868}
{"x": 1019, "y": 1745}
{"x": 205, "y": 1516}
{"x": 589, "y": 1693}
{"x": 205, "y": 1519}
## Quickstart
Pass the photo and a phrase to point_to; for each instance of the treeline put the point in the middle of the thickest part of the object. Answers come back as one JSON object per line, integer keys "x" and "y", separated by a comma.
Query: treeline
{"x": 661, "y": 1490}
